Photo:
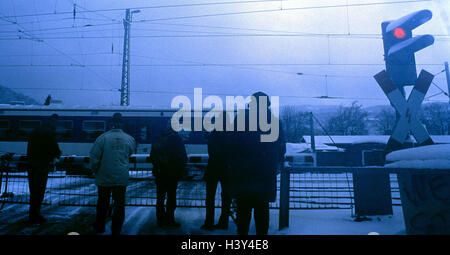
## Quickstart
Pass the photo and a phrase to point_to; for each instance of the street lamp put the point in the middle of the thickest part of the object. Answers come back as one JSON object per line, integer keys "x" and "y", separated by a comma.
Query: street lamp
{"x": 135, "y": 11}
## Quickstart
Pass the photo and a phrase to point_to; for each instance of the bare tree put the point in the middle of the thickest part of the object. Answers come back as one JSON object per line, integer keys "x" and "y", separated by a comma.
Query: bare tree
{"x": 385, "y": 121}
{"x": 295, "y": 123}
{"x": 348, "y": 121}
{"x": 435, "y": 116}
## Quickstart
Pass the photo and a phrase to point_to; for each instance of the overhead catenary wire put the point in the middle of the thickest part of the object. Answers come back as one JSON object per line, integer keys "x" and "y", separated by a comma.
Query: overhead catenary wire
{"x": 206, "y": 94}
{"x": 278, "y": 9}
{"x": 186, "y": 93}
{"x": 192, "y": 65}
{"x": 216, "y": 35}
{"x": 223, "y": 3}
{"x": 188, "y": 63}
{"x": 147, "y": 7}
{"x": 260, "y": 11}
{"x": 238, "y": 64}
{"x": 56, "y": 49}
{"x": 209, "y": 27}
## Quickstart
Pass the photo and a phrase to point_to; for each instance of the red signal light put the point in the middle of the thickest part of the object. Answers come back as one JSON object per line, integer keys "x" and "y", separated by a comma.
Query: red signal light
{"x": 399, "y": 33}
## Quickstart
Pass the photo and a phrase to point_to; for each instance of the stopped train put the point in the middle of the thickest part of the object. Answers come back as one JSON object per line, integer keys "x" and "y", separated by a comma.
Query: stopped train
{"x": 79, "y": 127}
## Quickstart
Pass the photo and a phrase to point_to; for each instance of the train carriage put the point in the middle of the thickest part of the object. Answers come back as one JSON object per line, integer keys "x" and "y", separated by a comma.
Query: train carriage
{"x": 79, "y": 127}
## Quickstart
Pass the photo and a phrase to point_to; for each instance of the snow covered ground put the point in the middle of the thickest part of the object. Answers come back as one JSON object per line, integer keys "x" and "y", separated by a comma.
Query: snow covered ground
{"x": 142, "y": 221}
{"x": 308, "y": 191}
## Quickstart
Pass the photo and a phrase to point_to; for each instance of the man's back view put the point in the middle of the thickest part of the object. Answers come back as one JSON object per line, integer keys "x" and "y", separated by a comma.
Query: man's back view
{"x": 253, "y": 169}
{"x": 42, "y": 149}
{"x": 168, "y": 156}
{"x": 110, "y": 163}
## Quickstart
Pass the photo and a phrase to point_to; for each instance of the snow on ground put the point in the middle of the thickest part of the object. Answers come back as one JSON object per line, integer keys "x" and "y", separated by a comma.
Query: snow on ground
{"x": 142, "y": 221}
{"x": 424, "y": 157}
{"x": 340, "y": 222}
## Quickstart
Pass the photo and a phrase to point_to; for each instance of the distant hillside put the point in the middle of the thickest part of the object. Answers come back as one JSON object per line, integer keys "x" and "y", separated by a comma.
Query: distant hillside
{"x": 7, "y": 96}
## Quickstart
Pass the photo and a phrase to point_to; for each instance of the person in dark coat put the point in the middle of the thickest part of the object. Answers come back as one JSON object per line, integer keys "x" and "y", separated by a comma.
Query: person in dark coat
{"x": 168, "y": 156}
{"x": 42, "y": 150}
{"x": 253, "y": 171}
{"x": 215, "y": 173}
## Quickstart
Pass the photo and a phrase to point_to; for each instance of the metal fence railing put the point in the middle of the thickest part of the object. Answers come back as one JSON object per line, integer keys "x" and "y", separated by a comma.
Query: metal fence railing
{"x": 80, "y": 190}
{"x": 307, "y": 187}
{"x": 299, "y": 187}
{"x": 311, "y": 189}
{"x": 321, "y": 190}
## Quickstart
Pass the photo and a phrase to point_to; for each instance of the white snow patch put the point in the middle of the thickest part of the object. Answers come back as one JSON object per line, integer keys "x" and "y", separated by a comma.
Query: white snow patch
{"x": 350, "y": 139}
{"x": 294, "y": 148}
{"x": 438, "y": 151}
{"x": 421, "y": 164}
{"x": 425, "y": 157}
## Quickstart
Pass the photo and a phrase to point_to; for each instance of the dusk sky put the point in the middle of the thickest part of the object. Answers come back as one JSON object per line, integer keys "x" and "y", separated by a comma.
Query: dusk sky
{"x": 223, "y": 47}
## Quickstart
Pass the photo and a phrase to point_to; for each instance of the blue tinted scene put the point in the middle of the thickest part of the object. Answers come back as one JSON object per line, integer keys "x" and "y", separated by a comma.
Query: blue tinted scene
{"x": 227, "y": 117}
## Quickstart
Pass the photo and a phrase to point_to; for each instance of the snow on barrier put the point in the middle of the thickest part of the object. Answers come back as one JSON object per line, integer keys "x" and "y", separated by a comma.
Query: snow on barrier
{"x": 425, "y": 189}
{"x": 418, "y": 188}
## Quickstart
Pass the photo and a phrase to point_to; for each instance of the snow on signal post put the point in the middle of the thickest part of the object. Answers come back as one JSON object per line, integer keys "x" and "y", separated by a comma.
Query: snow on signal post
{"x": 400, "y": 46}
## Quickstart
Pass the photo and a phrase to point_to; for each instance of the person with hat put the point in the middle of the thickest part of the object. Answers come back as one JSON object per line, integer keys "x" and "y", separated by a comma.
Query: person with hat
{"x": 109, "y": 159}
{"x": 42, "y": 150}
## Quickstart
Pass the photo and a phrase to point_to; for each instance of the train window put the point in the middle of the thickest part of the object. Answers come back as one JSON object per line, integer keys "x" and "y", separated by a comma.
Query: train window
{"x": 26, "y": 126}
{"x": 185, "y": 135}
{"x": 64, "y": 130}
{"x": 144, "y": 132}
{"x": 4, "y": 129}
{"x": 92, "y": 129}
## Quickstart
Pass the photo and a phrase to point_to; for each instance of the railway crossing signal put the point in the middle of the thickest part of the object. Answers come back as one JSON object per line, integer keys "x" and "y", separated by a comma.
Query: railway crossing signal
{"x": 406, "y": 109}
{"x": 400, "y": 46}
{"x": 399, "y": 49}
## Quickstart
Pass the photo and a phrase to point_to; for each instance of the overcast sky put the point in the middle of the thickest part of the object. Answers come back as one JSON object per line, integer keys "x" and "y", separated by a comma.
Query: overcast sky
{"x": 225, "y": 49}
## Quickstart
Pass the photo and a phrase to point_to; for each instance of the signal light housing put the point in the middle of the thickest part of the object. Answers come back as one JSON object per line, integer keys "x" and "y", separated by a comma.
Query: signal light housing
{"x": 400, "y": 46}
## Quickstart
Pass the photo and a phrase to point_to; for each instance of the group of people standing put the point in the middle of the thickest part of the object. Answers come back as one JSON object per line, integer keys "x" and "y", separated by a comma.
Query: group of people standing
{"x": 245, "y": 167}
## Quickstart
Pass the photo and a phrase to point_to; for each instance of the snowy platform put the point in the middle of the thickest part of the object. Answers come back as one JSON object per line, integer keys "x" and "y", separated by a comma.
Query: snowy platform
{"x": 142, "y": 221}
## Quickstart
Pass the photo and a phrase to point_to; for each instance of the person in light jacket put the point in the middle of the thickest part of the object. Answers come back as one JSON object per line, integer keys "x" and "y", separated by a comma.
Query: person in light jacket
{"x": 109, "y": 158}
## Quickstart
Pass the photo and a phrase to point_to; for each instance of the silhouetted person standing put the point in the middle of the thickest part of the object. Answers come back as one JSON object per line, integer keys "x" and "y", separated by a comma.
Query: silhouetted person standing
{"x": 168, "y": 156}
{"x": 109, "y": 158}
{"x": 253, "y": 170}
{"x": 42, "y": 150}
{"x": 216, "y": 172}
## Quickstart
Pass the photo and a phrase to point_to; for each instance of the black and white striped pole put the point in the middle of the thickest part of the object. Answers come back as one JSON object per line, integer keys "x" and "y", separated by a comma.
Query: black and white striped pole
{"x": 406, "y": 109}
